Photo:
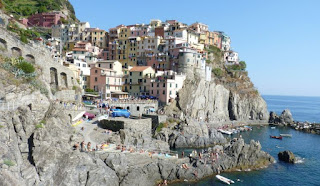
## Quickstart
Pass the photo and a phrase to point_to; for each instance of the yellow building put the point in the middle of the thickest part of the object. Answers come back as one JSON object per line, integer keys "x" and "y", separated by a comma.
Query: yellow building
{"x": 98, "y": 37}
{"x": 209, "y": 38}
{"x": 136, "y": 82}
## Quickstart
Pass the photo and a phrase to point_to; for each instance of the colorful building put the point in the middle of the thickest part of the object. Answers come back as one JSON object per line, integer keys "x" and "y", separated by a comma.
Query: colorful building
{"x": 45, "y": 19}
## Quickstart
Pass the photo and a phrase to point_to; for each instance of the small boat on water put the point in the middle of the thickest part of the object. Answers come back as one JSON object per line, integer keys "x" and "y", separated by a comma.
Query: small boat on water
{"x": 225, "y": 131}
{"x": 273, "y": 127}
{"x": 286, "y": 135}
{"x": 224, "y": 179}
{"x": 276, "y": 137}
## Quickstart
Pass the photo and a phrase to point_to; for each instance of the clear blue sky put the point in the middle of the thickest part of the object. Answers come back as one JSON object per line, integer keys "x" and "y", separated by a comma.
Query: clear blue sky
{"x": 278, "y": 39}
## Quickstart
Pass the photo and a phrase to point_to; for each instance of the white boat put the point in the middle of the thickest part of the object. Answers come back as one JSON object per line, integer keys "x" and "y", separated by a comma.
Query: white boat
{"x": 224, "y": 179}
{"x": 225, "y": 132}
{"x": 273, "y": 127}
{"x": 103, "y": 117}
{"x": 286, "y": 135}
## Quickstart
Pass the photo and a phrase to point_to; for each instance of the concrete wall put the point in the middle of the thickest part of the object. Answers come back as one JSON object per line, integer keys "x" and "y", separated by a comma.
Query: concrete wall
{"x": 137, "y": 125}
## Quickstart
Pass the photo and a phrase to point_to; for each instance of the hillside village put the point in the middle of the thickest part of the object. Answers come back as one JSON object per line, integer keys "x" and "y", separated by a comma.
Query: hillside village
{"x": 147, "y": 61}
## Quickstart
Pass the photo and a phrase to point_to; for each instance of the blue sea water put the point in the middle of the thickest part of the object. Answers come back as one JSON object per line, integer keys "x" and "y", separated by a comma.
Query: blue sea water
{"x": 304, "y": 145}
{"x": 302, "y": 108}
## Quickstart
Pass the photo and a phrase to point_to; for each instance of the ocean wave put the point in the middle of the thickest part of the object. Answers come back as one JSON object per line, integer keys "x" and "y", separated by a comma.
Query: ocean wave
{"x": 299, "y": 160}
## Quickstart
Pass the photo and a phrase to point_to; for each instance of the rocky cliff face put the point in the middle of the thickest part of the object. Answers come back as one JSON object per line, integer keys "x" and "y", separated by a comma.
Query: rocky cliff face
{"x": 216, "y": 102}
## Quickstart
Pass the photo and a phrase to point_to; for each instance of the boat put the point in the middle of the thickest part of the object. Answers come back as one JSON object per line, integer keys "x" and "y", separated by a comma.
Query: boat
{"x": 273, "y": 127}
{"x": 224, "y": 179}
{"x": 276, "y": 137}
{"x": 225, "y": 132}
{"x": 286, "y": 135}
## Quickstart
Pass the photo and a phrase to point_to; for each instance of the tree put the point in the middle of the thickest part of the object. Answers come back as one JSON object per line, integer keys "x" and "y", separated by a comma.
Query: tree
{"x": 42, "y": 9}
{"x": 243, "y": 65}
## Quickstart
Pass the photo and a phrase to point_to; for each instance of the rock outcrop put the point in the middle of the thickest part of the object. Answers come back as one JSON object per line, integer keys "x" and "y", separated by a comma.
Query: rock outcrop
{"x": 191, "y": 133}
{"x": 214, "y": 103}
{"x": 285, "y": 118}
{"x": 235, "y": 155}
{"x": 286, "y": 156}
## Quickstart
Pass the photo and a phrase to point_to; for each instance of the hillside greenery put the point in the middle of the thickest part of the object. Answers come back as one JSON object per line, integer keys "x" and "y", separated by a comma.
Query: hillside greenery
{"x": 25, "y": 8}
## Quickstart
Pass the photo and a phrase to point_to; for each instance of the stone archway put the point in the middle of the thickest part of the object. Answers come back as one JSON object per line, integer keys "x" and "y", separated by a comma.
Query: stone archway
{"x": 3, "y": 44}
{"x": 30, "y": 58}
{"x": 16, "y": 52}
{"x": 53, "y": 78}
{"x": 64, "y": 80}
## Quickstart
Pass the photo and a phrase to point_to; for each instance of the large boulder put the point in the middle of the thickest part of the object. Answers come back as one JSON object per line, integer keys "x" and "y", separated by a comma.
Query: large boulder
{"x": 274, "y": 118}
{"x": 286, "y": 156}
{"x": 286, "y": 117}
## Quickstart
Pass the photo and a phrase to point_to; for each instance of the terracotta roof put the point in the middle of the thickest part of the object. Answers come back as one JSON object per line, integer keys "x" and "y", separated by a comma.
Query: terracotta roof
{"x": 80, "y": 49}
{"x": 139, "y": 68}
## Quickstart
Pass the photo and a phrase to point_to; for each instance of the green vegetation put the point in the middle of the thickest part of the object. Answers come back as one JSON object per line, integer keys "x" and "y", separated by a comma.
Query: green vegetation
{"x": 89, "y": 90}
{"x": 39, "y": 126}
{"x": 25, "y": 35}
{"x": 24, "y": 72}
{"x": 162, "y": 125}
{"x": 9, "y": 163}
{"x": 217, "y": 72}
{"x": 26, "y": 67}
{"x": 26, "y": 8}
{"x": 1, "y": 126}
{"x": 217, "y": 53}
{"x": 241, "y": 66}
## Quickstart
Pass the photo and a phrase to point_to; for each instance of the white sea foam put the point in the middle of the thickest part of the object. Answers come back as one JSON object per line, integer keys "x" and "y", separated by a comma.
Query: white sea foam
{"x": 299, "y": 160}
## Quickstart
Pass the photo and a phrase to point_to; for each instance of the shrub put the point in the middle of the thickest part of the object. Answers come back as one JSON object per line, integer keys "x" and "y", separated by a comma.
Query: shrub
{"x": 26, "y": 67}
{"x": 217, "y": 72}
{"x": 9, "y": 163}
{"x": 1, "y": 126}
{"x": 23, "y": 38}
{"x": 39, "y": 126}
{"x": 161, "y": 125}
{"x": 89, "y": 90}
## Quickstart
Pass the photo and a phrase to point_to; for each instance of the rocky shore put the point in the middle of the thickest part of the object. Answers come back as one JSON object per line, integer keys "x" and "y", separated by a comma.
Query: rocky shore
{"x": 286, "y": 119}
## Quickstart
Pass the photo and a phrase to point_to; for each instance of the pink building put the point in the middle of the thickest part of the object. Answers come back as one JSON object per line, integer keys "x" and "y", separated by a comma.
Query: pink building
{"x": 45, "y": 19}
{"x": 166, "y": 86}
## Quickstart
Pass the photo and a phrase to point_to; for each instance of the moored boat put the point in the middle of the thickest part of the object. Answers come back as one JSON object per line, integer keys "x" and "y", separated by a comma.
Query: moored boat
{"x": 276, "y": 137}
{"x": 286, "y": 135}
{"x": 224, "y": 179}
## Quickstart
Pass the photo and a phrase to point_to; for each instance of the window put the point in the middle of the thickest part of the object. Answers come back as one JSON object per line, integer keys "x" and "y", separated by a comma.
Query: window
{"x": 138, "y": 108}
{"x": 96, "y": 71}
{"x": 157, "y": 91}
{"x": 170, "y": 92}
{"x": 170, "y": 85}
{"x": 151, "y": 84}
{"x": 164, "y": 84}
{"x": 140, "y": 73}
{"x": 96, "y": 79}
{"x": 99, "y": 65}
{"x": 151, "y": 91}
{"x": 130, "y": 87}
{"x": 128, "y": 108}
{"x": 130, "y": 73}
{"x": 84, "y": 65}
{"x": 163, "y": 92}
{"x": 157, "y": 84}
{"x": 84, "y": 78}
{"x": 110, "y": 66}
{"x": 176, "y": 85}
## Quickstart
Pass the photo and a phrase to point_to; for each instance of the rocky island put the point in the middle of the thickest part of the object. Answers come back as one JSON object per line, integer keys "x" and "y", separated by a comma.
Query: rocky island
{"x": 41, "y": 131}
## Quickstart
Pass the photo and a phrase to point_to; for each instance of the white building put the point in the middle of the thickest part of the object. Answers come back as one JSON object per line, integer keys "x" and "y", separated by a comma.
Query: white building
{"x": 231, "y": 57}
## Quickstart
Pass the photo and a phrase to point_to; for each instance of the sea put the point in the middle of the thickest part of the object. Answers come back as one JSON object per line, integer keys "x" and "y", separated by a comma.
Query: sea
{"x": 305, "y": 146}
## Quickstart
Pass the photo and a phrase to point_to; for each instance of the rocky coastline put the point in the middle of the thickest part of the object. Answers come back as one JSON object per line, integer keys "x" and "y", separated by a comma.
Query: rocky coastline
{"x": 286, "y": 119}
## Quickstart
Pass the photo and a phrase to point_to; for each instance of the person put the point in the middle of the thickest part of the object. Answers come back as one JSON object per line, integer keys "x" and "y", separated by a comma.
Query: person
{"x": 185, "y": 166}
{"x": 182, "y": 154}
{"x": 89, "y": 146}
{"x": 83, "y": 148}
{"x": 82, "y": 128}
{"x": 76, "y": 146}
{"x": 165, "y": 182}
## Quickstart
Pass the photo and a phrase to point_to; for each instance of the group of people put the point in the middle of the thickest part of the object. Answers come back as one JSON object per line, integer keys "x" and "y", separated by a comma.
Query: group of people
{"x": 71, "y": 106}
{"x": 87, "y": 147}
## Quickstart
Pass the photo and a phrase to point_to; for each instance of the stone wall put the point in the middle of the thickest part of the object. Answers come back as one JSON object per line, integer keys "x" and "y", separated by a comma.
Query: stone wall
{"x": 55, "y": 75}
{"x": 156, "y": 120}
{"x": 136, "y": 125}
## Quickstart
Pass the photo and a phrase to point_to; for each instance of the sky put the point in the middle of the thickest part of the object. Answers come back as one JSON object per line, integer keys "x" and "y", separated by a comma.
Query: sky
{"x": 278, "y": 39}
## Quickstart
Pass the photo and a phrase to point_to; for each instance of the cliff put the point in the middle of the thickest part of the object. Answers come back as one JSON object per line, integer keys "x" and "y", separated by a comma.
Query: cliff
{"x": 221, "y": 100}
